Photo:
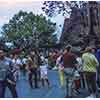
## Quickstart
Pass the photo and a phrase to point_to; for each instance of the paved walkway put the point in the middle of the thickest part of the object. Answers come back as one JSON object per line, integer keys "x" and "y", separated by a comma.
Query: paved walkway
{"x": 24, "y": 90}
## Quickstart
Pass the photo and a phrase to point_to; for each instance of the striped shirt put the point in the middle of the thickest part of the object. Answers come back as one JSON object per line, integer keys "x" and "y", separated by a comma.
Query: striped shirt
{"x": 90, "y": 62}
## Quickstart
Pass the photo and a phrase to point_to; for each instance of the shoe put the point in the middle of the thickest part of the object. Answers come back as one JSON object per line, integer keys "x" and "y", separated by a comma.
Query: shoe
{"x": 77, "y": 91}
{"x": 55, "y": 68}
{"x": 91, "y": 96}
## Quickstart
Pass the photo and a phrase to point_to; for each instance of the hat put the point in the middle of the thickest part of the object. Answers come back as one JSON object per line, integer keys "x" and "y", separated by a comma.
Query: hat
{"x": 88, "y": 49}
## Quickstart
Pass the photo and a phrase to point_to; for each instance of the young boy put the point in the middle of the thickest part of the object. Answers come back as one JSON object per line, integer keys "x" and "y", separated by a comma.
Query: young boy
{"x": 44, "y": 71}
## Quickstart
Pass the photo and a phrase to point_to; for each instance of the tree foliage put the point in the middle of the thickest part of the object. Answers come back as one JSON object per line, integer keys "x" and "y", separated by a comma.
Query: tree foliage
{"x": 61, "y": 7}
{"x": 21, "y": 26}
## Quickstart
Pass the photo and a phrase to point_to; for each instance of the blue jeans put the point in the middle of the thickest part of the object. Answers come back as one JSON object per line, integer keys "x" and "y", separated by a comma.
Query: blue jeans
{"x": 2, "y": 89}
{"x": 69, "y": 76}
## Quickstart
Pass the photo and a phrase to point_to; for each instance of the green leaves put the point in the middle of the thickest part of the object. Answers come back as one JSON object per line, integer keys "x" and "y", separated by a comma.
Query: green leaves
{"x": 22, "y": 24}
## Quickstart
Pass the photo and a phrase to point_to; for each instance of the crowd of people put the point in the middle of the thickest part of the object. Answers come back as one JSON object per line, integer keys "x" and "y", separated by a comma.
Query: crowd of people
{"x": 13, "y": 63}
{"x": 82, "y": 69}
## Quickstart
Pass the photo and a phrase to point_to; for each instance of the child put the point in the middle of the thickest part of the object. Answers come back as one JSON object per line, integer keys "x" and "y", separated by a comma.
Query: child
{"x": 44, "y": 72}
{"x": 59, "y": 63}
{"x": 78, "y": 72}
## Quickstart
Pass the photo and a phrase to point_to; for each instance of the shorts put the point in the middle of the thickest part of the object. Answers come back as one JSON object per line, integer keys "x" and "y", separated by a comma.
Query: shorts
{"x": 44, "y": 74}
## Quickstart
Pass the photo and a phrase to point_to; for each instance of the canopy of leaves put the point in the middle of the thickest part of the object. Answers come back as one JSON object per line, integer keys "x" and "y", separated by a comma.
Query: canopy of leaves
{"x": 23, "y": 23}
{"x": 52, "y": 8}
{"x": 30, "y": 30}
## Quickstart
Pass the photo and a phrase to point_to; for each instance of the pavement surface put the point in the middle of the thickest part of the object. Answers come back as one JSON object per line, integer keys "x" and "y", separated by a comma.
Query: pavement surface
{"x": 24, "y": 90}
{"x": 55, "y": 91}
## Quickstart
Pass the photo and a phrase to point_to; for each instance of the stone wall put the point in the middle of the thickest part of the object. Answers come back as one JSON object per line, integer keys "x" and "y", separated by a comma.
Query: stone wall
{"x": 74, "y": 31}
